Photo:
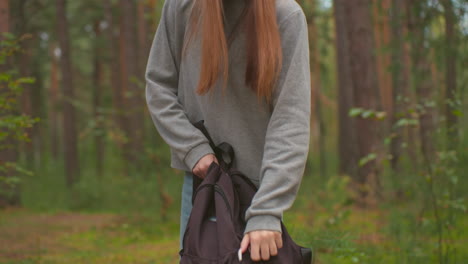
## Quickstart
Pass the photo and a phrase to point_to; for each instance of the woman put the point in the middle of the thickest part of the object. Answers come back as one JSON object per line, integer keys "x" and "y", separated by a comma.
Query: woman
{"x": 243, "y": 67}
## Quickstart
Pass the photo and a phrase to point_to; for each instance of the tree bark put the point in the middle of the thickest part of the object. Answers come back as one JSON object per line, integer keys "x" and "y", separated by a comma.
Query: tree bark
{"x": 347, "y": 146}
{"x": 115, "y": 83}
{"x": 451, "y": 43}
{"x": 417, "y": 19}
{"x": 316, "y": 88}
{"x": 153, "y": 5}
{"x": 144, "y": 43}
{"x": 4, "y": 16}
{"x": 400, "y": 83}
{"x": 8, "y": 148}
{"x": 37, "y": 103}
{"x": 25, "y": 62}
{"x": 97, "y": 94}
{"x": 366, "y": 95}
{"x": 53, "y": 95}
{"x": 129, "y": 71}
{"x": 69, "y": 119}
{"x": 382, "y": 31}
{"x": 143, "y": 46}
{"x": 411, "y": 132}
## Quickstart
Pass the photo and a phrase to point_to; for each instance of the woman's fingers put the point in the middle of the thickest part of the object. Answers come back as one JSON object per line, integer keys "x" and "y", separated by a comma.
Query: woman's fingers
{"x": 278, "y": 240}
{"x": 263, "y": 244}
{"x": 201, "y": 167}
{"x": 245, "y": 243}
{"x": 254, "y": 248}
{"x": 273, "y": 248}
{"x": 265, "y": 250}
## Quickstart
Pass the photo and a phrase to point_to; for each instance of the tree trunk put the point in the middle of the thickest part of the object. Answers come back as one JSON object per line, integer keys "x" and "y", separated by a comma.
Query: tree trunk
{"x": 143, "y": 46}
{"x": 366, "y": 96}
{"x": 8, "y": 148}
{"x": 383, "y": 58}
{"x": 417, "y": 19}
{"x": 153, "y": 5}
{"x": 412, "y": 132}
{"x": 400, "y": 83}
{"x": 347, "y": 146}
{"x": 97, "y": 94}
{"x": 133, "y": 100}
{"x": 144, "y": 43}
{"x": 4, "y": 16}
{"x": 37, "y": 103}
{"x": 115, "y": 83}
{"x": 316, "y": 88}
{"x": 451, "y": 42}
{"x": 25, "y": 63}
{"x": 69, "y": 119}
{"x": 400, "y": 94}
{"x": 53, "y": 95}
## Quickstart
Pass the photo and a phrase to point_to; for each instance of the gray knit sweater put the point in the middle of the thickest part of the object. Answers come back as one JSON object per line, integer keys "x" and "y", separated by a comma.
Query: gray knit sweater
{"x": 271, "y": 141}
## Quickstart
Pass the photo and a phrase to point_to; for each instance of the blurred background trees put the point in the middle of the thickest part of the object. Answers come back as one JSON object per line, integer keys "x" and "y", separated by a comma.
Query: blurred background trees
{"x": 388, "y": 98}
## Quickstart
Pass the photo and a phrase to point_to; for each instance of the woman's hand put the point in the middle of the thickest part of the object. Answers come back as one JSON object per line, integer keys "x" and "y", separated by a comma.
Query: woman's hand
{"x": 263, "y": 244}
{"x": 203, "y": 164}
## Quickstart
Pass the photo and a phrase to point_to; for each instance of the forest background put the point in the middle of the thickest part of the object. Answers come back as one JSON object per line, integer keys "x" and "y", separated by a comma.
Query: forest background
{"x": 85, "y": 177}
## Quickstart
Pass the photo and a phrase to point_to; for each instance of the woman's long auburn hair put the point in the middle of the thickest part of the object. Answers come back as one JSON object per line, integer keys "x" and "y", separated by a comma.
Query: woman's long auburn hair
{"x": 264, "y": 56}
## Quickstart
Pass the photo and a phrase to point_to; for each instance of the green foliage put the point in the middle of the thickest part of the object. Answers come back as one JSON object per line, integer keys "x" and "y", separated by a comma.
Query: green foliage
{"x": 13, "y": 126}
{"x": 367, "y": 113}
{"x": 363, "y": 161}
{"x": 442, "y": 203}
{"x": 323, "y": 215}
{"x": 404, "y": 122}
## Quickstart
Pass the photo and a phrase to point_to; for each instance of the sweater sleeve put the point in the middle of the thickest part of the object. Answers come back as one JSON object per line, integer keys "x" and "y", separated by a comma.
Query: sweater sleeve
{"x": 186, "y": 141}
{"x": 287, "y": 136}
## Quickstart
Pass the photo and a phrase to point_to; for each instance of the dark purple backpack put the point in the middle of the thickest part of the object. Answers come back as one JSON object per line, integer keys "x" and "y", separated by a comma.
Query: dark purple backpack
{"x": 216, "y": 224}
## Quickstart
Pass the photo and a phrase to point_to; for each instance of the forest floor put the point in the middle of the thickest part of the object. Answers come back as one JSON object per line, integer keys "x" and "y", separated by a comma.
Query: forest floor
{"x": 338, "y": 232}
{"x": 70, "y": 237}
{"x": 28, "y": 237}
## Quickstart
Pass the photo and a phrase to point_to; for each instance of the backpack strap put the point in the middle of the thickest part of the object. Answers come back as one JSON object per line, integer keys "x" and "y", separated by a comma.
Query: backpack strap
{"x": 224, "y": 152}
{"x": 200, "y": 125}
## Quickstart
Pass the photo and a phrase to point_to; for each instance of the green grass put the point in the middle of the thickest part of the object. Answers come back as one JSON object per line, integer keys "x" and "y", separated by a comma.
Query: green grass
{"x": 358, "y": 236}
{"x": 72, "y": 237}
{"x": 117, "y": 218}
{"x": 323, "y": 218}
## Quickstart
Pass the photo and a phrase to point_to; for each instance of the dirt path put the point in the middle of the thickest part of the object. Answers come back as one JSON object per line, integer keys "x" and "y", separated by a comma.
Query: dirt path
{"x": 68, "y": 237}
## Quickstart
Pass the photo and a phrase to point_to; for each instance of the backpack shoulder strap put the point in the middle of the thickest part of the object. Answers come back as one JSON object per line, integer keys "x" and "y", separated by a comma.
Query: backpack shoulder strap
{"x": 224, "y": 152}
{"x": 200, "y": 125}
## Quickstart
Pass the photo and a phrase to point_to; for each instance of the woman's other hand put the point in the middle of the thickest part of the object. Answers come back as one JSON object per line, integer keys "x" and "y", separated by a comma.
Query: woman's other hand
{"x": 203, "y": 164}
{"x": 263, "y": 244}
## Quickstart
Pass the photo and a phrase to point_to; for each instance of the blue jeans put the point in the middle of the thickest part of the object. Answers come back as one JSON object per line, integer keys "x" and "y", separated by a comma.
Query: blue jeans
{"x": 186, "y": 206}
